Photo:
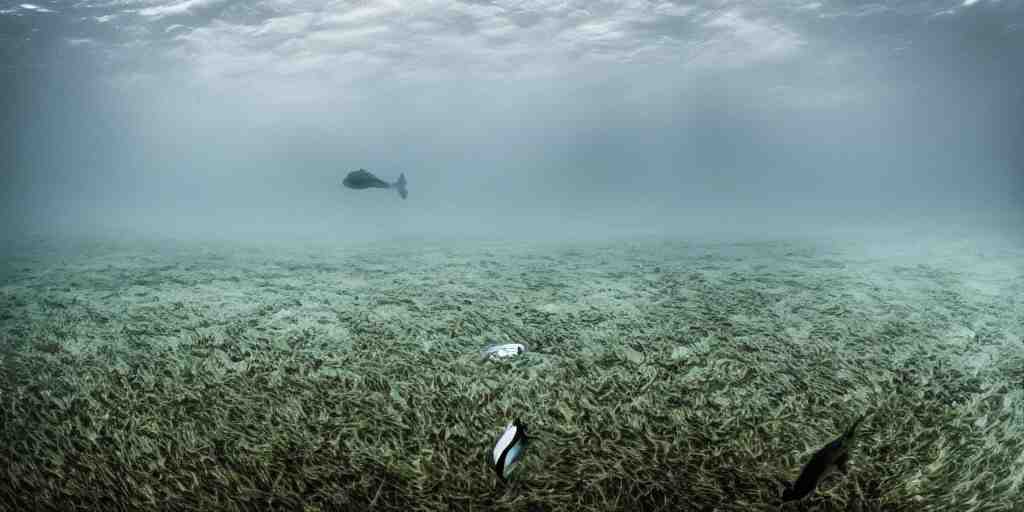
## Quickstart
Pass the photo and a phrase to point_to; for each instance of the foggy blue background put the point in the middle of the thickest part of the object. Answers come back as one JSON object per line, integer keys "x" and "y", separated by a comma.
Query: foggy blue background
{"x": 222, "y": 118}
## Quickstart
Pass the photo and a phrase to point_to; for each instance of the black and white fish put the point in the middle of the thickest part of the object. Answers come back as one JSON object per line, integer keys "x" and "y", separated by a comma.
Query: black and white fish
{"x": 502, "y": 351}
{"x": 833, "y": 456}
{"x": 509, "y": 449}
{"x": 363, "y": 179}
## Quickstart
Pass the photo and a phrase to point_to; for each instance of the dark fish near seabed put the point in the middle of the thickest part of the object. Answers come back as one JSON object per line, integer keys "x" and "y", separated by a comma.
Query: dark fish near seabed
{"x": 833, "y": 456}
{"x": 363, "y": 179}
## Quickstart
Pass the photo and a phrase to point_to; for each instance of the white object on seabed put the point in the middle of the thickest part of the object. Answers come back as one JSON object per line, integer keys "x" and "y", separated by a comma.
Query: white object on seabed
{"x": 509, "y": 449}
{"x": 503, "y": 351}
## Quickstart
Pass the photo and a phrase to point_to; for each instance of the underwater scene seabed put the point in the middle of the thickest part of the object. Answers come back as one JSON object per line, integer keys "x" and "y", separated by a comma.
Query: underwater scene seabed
{"x": 653, "y": 375}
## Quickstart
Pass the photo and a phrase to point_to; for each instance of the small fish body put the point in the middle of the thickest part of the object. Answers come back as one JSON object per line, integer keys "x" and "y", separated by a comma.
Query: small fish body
{"x": 509, "y": 449}
{"x": 363, "y": 179}
{"x": 833, "y": 456}
{"x": 503, "y": 351}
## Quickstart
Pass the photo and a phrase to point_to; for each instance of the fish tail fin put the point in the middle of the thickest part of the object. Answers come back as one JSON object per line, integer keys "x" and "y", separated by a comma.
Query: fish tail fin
{"x": 851, "y": 432}
{"x": 400, "y": 186}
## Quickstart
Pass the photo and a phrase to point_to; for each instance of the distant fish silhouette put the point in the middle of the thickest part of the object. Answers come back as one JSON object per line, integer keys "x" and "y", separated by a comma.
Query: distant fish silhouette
{"x": 833, "y": 456}
{"x": 363, "y": 179}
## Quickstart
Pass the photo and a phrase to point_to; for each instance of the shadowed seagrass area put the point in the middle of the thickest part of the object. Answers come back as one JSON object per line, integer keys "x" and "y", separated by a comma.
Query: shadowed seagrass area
{"x": 667, "y": 375}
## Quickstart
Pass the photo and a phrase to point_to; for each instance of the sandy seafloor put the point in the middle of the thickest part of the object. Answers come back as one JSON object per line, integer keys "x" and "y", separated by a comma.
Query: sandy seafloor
{"x": 662, "y": 374}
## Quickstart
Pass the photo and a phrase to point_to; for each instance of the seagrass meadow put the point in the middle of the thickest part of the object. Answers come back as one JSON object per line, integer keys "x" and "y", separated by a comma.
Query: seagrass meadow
{"x": 661, "y": 374}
